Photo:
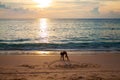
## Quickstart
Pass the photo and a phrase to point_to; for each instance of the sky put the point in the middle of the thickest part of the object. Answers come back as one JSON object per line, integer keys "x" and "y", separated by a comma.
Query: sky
{"x": 59, "y": 9}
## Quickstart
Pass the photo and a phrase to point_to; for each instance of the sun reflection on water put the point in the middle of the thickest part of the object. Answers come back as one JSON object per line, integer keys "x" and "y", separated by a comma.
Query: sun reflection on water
{"x": 42, "y": 52}
{"x": 43, "y": 30}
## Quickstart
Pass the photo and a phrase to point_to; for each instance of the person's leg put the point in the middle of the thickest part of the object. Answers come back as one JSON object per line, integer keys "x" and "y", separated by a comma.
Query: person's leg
{"x": 67, "y": 58}
{"x": 62, "y": 56}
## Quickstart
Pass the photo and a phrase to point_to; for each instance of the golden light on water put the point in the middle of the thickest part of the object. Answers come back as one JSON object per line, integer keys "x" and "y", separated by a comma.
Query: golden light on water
{"x": 43, "y": 30}
{"x": 43, "y": 3}
{"x": 42, "y": 52}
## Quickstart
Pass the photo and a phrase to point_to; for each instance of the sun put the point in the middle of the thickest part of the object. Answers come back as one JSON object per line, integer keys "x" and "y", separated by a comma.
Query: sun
{"x": 43, "y": 3}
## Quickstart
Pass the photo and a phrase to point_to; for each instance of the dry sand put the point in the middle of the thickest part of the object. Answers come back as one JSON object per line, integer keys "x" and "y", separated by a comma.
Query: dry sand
{"x": 81, "y": 67}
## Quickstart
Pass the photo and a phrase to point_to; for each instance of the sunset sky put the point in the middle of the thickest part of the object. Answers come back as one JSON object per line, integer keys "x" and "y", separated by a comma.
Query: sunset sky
{"x": 59, "y": 8}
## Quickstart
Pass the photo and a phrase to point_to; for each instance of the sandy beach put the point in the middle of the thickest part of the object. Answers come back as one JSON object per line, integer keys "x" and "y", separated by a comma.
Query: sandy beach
{"x": 49, "y": 67}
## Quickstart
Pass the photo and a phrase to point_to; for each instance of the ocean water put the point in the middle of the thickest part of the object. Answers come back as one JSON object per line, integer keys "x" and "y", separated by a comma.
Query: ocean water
{"x": 60, "y": 34}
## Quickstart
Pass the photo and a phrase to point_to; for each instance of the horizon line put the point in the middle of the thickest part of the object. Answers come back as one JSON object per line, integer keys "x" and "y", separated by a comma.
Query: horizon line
{"x": 54, "y": 18}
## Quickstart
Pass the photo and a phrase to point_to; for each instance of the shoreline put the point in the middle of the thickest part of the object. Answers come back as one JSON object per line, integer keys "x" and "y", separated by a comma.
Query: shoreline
{"x": 55, "y": 52}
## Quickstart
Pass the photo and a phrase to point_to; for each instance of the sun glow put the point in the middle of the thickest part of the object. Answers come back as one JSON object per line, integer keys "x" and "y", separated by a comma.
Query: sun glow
{"x": 42, "y": 52}
{"x": 43, "y": 3}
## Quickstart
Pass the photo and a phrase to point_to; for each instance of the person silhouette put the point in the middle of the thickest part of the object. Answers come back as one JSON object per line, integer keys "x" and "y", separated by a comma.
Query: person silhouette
{"x": 64, "y": 55}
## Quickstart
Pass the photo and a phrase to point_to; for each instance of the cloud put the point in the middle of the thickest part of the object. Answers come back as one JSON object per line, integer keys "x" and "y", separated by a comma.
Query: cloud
{"x": 16, "y": 6}
{"x": 99, "y": 0}
{"x": 95, "y": 11}
{"x": 3, "y": 6}
{"x": 108, "y": 0}
{"x": 7, "y": 13}
{"x": 110, "y": 6}
{"x": 11, "y": 10}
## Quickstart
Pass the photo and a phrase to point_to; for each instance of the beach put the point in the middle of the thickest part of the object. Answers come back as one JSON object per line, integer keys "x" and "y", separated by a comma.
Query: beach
{"x": 42, "y": 40}
{"x": 103, "y": 66}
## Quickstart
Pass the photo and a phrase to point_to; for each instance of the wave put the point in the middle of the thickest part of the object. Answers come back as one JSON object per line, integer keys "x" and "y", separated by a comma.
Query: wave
{"x": 68, "y": 46}
{"x": 16, "y": 40}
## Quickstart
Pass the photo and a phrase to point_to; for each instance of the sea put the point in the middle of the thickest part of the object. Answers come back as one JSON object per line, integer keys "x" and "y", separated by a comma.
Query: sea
{"x": 60, "y": 34}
